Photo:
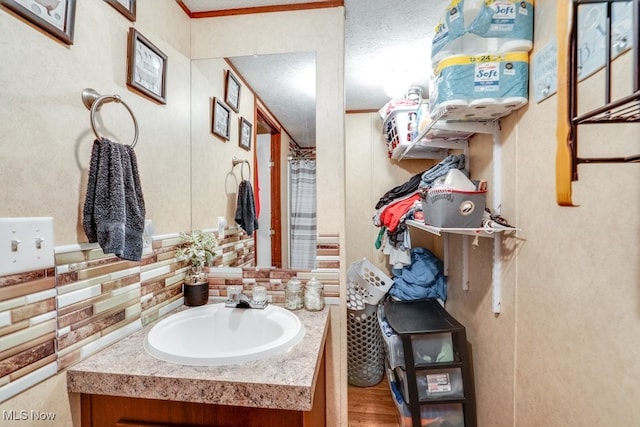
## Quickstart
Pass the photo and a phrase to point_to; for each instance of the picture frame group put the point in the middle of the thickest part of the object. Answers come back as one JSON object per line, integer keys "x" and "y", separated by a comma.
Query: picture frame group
{"x": 222, "y": 111}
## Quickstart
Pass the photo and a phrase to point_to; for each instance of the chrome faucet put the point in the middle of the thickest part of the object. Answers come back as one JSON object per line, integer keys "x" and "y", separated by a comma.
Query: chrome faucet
{"x": 237, "y": 299}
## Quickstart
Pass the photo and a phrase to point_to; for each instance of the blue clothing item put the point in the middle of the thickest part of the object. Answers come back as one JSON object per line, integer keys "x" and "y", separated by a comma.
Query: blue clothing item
{"x": 424, "y": 278}
{"x": 441, "y": 169}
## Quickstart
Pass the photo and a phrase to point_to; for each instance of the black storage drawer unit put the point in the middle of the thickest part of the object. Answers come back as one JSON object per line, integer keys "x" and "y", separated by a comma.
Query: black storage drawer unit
{"x": 431, "y": 383}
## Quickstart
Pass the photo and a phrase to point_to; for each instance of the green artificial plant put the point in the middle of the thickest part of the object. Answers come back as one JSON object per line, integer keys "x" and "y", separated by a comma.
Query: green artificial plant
{"x": 198, "y": 249}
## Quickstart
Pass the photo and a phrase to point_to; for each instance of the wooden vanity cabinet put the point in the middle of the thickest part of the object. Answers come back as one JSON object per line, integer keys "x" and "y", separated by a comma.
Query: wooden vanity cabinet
{"x": 115, "y": 411}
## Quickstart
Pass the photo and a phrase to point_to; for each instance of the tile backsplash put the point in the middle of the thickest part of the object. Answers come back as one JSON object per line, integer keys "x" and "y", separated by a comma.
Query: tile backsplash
{"x": 57, "y": 316}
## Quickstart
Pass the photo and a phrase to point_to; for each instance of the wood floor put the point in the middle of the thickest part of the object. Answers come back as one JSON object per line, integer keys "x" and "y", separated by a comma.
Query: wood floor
{"x": 372, "y": 406}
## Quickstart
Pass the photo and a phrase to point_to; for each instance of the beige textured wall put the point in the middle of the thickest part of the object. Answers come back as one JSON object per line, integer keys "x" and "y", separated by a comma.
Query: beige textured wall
{"x": 562, "y": 351}
{"x": 370, "y": 174}
{"x": 578, "y": 288}
{"x": 47, "y": 136}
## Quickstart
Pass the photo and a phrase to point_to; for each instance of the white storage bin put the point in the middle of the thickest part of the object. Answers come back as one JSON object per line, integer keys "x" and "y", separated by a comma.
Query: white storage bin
{"x": 448, "y": 208}
{"x": 432, "y": 383}
{"x": 426, "y": 348}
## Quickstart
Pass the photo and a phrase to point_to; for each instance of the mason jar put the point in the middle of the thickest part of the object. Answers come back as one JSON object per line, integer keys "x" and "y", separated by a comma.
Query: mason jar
{"x": 293, "y": 294}
{"x": 314, "y": 295}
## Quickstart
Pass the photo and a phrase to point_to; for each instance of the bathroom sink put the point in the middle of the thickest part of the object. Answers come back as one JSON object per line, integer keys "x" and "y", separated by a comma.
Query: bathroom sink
{"x": 213, "y": 334}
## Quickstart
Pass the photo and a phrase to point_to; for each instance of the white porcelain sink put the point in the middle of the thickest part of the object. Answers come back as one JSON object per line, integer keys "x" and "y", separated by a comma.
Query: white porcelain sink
{"x": 213, "y": 335}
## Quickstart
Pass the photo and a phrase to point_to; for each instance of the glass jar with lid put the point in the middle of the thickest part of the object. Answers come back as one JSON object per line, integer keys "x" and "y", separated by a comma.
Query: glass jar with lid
{"x": 314, "y": 295}
{"x": 293, "y": 294}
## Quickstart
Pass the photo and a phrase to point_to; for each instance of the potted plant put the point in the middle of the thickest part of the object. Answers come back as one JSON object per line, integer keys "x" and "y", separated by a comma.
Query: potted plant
{"x": 199, "y": 250}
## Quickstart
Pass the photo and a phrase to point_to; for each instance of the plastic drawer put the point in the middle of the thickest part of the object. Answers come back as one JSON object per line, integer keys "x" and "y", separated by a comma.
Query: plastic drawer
{"x": 434, "y": 415}
{"x": 426, "y": 348}
{"x": 432, "y": 383}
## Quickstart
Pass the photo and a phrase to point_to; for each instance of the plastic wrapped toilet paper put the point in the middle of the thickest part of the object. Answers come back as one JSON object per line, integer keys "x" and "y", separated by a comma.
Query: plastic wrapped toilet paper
{"x": 482, "y": 84}
{"x": 474, "y": 27}
{"x": 505, "y": 25}
{"x": 446, "y": 40}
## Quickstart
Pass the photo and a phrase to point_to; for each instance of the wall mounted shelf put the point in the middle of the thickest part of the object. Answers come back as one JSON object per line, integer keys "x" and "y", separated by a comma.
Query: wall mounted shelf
{"x": 446, "y": 135}
{"x": 479, "y": 232}
{"x": 442, "y": 135}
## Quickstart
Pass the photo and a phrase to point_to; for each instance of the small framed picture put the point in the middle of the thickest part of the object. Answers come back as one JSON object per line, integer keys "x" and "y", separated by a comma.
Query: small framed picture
{"x": 220, "y": 120}
{"x": 146, "y": 67}
{"x": 245, "y": 134}
{"x": 232, "y": 91}
{"x": 125, "y": 7}
{"x": 55, "y": 17}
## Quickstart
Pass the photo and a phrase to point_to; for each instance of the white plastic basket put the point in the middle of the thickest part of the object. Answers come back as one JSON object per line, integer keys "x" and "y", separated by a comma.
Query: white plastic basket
{"x": 398, "y": 128}
{"x": 366, "y": 283}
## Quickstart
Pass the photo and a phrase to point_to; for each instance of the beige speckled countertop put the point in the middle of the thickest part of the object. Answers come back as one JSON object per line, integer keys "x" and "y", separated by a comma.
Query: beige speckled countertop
{"x": 285, "y": 381}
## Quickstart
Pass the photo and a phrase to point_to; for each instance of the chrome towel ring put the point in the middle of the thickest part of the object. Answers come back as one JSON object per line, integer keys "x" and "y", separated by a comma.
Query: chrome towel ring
{"x": 93, "y": 101}
{"x": 237, "y": 161}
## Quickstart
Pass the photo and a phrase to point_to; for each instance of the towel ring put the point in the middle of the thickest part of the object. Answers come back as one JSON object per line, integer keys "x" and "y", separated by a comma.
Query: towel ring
{"x": 237, "y": 161}
{"x": 93, "y": 101}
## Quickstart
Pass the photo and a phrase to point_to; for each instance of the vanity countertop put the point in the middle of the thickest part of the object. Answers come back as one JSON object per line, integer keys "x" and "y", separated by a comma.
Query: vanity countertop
{"x": 285, "y": 381}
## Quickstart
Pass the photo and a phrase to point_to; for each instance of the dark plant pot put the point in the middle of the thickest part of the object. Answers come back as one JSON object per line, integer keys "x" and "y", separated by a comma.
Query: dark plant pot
{"x": 195, "y": 295}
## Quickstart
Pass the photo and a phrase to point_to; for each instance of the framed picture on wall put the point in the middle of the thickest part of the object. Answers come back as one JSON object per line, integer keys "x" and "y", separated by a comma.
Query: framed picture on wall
{"x": 146, "y": 67}
{"x": 56, "y": 17}
{"x": 221, "y": 119}
{"x": 232, "y": 91}
{"x": 125, "y": 7}
{"x": 245, "y": 134}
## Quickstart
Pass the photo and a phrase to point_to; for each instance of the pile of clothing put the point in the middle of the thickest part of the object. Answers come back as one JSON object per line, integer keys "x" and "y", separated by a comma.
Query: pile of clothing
{"x": 417, "y": 272}
{"x": 400, "y": 203}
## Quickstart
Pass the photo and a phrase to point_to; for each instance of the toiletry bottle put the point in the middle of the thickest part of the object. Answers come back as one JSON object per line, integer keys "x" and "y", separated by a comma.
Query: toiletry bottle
{"x": 314, "y": 295}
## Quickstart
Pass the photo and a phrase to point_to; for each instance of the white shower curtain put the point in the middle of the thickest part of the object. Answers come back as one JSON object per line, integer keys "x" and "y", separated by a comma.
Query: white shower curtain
{"x": 302, "y": 189}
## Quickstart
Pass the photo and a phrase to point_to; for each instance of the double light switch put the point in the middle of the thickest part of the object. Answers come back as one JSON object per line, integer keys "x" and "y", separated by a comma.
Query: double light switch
{"x": 26, "y": 244}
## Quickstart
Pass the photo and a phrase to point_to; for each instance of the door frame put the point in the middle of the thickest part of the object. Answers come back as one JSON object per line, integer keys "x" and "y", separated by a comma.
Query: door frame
{"x": 267, "y": 125}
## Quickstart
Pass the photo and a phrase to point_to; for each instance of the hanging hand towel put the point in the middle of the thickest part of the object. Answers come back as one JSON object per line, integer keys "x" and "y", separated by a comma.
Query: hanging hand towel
{"x": 246, "y": 208}
{"x": 114, "y": 207}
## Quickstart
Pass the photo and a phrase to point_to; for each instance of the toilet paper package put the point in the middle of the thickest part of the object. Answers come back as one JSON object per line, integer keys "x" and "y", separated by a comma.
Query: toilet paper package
{"x": 504, "y": 26}
{"x": 446, "y": 40}
{"x": 481, "y": 86}
{"x": 474, "y": 27}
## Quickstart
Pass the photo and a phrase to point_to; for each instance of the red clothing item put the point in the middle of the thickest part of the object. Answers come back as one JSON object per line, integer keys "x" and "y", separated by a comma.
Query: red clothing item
{"x": 392, "y": 214}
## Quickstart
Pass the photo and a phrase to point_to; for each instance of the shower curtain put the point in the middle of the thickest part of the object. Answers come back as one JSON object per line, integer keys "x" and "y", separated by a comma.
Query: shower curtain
{"x": 302, "y": 189}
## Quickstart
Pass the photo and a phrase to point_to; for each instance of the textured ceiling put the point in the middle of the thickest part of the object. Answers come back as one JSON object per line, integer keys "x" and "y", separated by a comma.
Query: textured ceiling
{"x": 385, "y": 41}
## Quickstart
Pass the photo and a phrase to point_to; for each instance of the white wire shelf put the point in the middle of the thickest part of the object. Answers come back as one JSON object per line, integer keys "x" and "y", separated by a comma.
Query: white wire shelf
{"x": 480, "y": 232}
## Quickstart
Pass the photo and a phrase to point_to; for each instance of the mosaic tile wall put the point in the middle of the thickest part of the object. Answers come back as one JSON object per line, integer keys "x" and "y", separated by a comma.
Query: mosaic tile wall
{"x": 55, "y": 317}
{"x": 275, "y": 279}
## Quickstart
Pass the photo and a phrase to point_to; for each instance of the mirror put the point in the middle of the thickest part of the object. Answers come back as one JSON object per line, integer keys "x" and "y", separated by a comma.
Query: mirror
{"x": 285, "y": 83}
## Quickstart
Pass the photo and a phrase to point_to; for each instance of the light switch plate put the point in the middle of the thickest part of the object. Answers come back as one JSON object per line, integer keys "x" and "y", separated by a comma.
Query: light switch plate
{"x": 26, "y": 244}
